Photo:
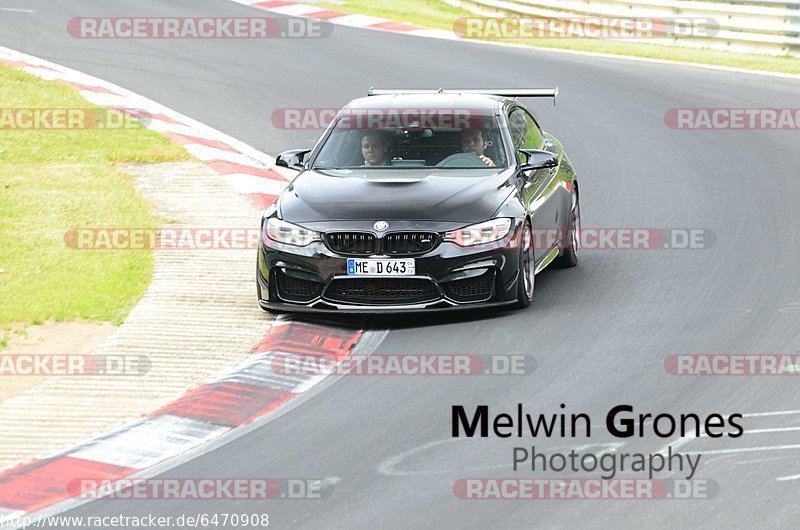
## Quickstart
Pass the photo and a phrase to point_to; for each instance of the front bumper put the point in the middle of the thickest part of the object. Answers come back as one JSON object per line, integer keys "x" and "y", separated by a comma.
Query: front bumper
{"x": 449, "y": 277}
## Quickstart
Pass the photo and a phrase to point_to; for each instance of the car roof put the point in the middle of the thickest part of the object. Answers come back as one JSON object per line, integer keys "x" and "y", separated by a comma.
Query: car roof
{"x": 474, "y": 102}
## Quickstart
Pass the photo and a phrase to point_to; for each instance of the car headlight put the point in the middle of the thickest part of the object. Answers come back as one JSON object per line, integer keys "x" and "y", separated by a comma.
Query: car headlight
{"x": 283, "y": 232}
{"x": 481, "y": 233}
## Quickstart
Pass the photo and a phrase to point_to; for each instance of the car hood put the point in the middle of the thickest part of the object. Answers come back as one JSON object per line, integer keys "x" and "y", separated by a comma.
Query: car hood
{"x": 377, "y": 194}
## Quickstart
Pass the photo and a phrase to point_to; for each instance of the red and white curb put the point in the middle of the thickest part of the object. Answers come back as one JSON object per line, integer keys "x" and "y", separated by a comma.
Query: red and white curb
{"x": 216, "y": 408}
{"x": 219, "y": 409}
{"x": 248, "y": 171}
{"x": 293, "y": 9}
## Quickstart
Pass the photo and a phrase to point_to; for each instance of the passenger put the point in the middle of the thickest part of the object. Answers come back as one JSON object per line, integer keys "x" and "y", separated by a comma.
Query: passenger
{"x": 472, "y": 141}
{"x": 373, "y": 148}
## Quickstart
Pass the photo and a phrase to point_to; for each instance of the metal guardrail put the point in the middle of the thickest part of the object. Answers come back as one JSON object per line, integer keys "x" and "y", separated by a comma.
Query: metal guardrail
{"x": 769, "y": 27}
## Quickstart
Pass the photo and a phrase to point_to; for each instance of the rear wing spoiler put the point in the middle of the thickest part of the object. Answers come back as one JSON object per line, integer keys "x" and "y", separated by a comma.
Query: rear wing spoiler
{"x": 504, "y": 92}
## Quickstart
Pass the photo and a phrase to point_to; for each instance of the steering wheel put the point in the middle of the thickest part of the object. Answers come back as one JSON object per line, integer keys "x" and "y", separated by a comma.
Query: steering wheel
{"x": 462, "y": 160}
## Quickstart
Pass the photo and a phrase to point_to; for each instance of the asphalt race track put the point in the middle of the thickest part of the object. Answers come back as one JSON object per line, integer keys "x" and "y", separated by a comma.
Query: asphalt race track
{"x": 599, "y": 333}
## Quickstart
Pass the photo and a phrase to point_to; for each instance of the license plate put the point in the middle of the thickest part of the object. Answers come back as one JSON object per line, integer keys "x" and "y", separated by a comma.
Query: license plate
{"x": 380, "y": 267}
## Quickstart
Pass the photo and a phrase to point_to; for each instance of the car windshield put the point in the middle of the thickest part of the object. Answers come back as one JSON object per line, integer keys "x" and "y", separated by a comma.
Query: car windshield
{"x": 407, "y": 139}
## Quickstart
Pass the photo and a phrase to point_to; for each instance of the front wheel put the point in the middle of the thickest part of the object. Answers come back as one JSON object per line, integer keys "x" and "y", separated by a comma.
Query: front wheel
{"x": 527, "y": 269}
{"x": 569, "y": 258}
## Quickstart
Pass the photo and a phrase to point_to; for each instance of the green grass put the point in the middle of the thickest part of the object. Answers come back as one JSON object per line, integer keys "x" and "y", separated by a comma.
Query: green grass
{"x": 8, "y": 332}
{"x": 437, "y": 14}
{"x": 54, "y": 180}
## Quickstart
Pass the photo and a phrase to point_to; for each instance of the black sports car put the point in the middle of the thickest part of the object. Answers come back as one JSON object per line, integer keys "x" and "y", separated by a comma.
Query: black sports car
{"x": 421, "y": 200}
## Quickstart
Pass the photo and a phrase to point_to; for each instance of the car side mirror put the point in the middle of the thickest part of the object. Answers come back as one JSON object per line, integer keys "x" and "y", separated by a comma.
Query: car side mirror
{"x": 538, "y": 159}
{"x": 293, "y": 159}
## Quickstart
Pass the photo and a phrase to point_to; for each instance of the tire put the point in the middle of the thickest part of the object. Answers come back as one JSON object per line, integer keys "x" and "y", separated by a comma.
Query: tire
{"x": 569, "y": 257}
{"x": 527, "y": 269}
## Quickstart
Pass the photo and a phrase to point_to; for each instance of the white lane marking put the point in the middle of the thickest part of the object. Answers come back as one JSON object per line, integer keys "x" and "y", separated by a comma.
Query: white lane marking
{"x": 17, "y": 10}
{"x": 358, "y": 21}
{"x": 389, "y": 466}
{"x": 433, "y": 34}
{"x": 683, "y": 441}
{"x": 745, "y": 431}
{"x": 775, "y": 429}
{"x": 745, "y": 450}
{"x": 296, "y": 10}
{"x": 162, "y": 126}
{"x": 759, "y": 460}
{"x": 773, "y": 413}
{"x": 680, "y": 442}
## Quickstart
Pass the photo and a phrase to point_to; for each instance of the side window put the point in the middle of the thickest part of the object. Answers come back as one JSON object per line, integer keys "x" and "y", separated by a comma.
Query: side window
{"x": 525, "y": 133}
{"x": 533, "y": 136}
{"x": 517, "y": 126}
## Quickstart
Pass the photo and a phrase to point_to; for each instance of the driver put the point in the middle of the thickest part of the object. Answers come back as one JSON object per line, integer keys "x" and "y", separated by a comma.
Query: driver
{"x": 472, "y": 141}
{"x": 373, "y": 148}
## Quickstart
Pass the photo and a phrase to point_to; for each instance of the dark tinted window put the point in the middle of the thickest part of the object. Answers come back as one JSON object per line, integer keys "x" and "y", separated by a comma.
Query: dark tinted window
{"x": 395, "y": 138}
